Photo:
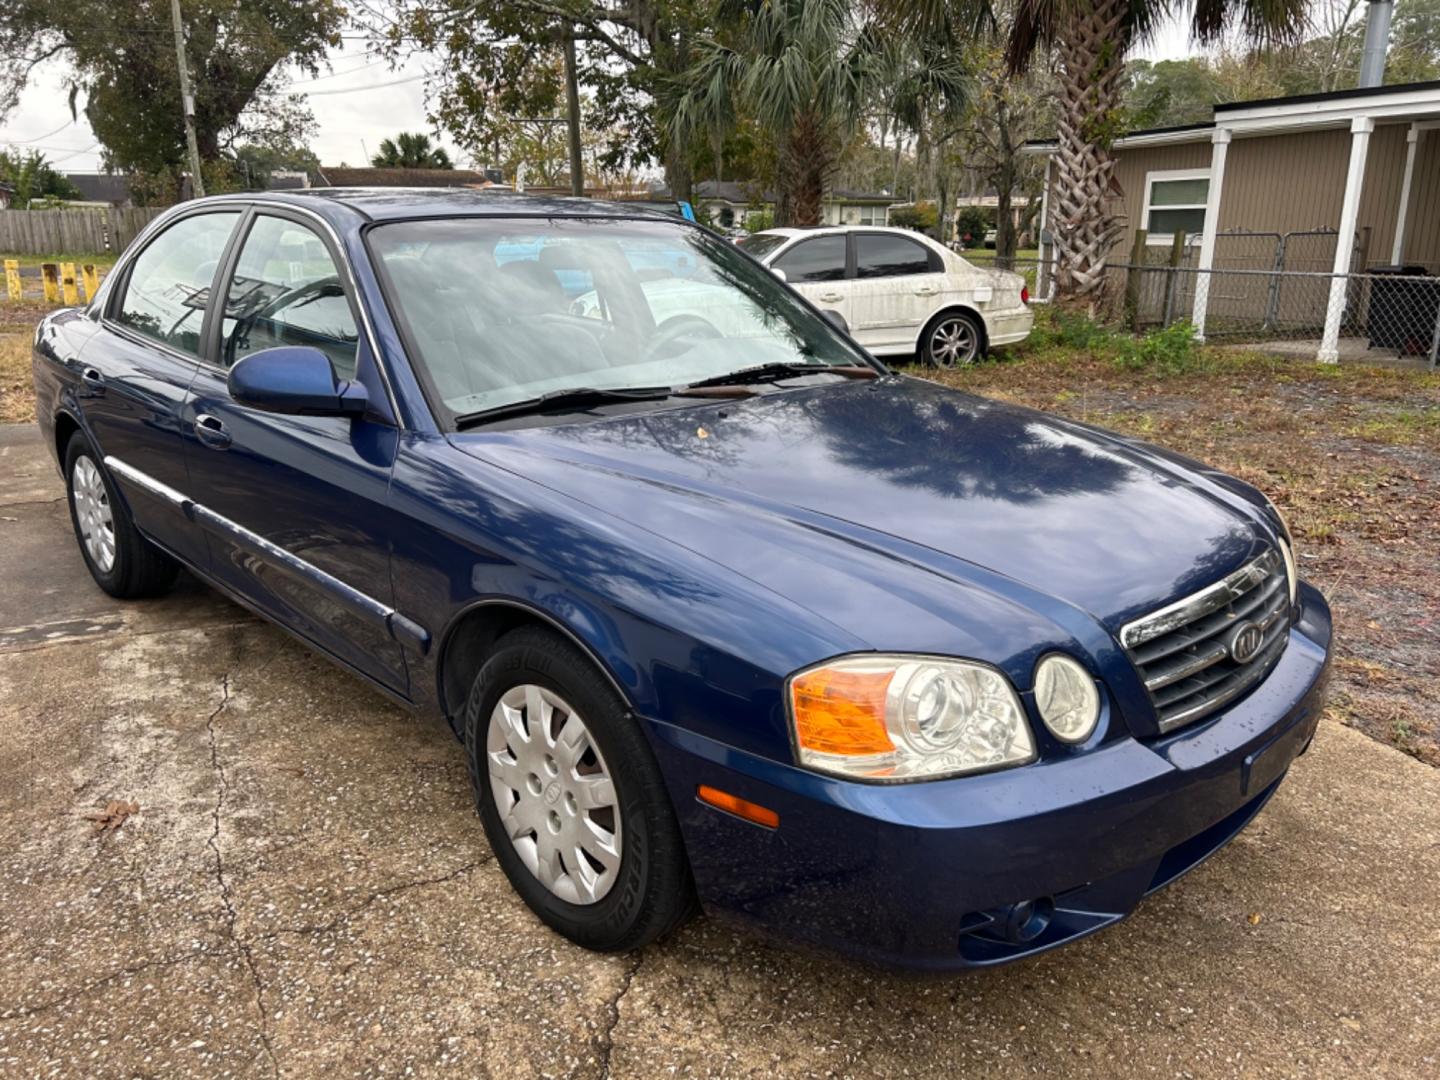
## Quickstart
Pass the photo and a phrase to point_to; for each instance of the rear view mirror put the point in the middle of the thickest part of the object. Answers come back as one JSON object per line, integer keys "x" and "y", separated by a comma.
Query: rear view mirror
{"x": 296, "y": 380}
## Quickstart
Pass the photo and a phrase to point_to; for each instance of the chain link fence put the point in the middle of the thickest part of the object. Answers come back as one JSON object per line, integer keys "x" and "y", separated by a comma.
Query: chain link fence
{"x": 1256, "y": 293}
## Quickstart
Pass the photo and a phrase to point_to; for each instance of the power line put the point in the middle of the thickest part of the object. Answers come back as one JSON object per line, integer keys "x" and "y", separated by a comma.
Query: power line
{"x": 37, "y": 138}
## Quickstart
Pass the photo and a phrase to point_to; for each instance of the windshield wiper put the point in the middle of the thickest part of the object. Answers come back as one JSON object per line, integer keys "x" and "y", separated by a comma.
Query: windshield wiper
{"x": 772, "y": 372}
{"x": 571, "y": 397}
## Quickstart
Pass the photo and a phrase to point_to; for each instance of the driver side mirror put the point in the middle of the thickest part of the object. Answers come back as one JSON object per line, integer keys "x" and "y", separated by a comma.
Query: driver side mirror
{"x": 835, "y": 319}
{"x": 296, "y": 380}
{"x": 779, "y": 273}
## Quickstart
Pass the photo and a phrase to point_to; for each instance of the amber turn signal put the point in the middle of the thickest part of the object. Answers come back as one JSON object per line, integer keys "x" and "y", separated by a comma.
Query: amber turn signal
{"x": 741, "y": 808}
{"x": 841, "y": 712}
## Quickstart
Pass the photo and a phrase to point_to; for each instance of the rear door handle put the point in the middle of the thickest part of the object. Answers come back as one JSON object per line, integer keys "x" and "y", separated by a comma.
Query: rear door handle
{"x": 94, "y": 382}
{"x": 211, "y": 431}
{"x": 926, "y": 290}
{"x": 832, "y": 297}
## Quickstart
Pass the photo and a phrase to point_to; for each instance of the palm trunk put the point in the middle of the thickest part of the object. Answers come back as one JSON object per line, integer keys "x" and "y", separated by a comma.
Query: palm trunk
{"x": 1090, "y": 63}
{"x": 804, "y": 167}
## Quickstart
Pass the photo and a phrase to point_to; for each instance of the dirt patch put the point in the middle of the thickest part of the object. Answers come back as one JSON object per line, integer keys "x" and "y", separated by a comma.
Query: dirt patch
{"x": 1351, "y": 455}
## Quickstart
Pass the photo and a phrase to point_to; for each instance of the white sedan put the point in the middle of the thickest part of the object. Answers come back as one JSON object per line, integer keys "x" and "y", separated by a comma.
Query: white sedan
{"x": 900, "y": 292}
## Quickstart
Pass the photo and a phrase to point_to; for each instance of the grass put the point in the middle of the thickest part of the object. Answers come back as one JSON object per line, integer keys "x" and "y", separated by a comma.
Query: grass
{"x": 102, "y": 260}
{"x": 17, "y": 400}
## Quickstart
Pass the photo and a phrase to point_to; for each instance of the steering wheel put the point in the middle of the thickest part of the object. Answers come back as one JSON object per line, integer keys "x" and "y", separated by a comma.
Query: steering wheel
{"x": 676, "y": 330}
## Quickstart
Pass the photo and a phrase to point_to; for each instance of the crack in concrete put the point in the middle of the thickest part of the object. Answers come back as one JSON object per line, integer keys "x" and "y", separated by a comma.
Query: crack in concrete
{"x": 380, "y": 894}
{"x": 232, "y": 915}
{"x": 20, "y": 1012}
{"x": 606, "y": 1038}
{"x": 31, "y": 502}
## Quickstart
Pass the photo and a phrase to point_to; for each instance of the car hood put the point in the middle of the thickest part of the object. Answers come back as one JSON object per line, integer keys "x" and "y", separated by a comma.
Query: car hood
{"x": 909, "y": 470}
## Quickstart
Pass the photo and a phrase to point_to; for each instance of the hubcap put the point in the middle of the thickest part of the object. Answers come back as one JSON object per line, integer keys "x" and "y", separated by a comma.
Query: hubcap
{"x": 953, "y": 343}
{"x": 92, "y": 511}
{"x": 554, "y": 793}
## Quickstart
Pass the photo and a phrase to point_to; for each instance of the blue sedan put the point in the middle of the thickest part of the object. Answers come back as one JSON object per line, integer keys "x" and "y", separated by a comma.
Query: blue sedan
{"x": 724, "y": 612}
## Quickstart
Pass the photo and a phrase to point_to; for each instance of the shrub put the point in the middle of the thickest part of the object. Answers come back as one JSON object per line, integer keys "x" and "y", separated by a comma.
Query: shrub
{"x": 1171, "y": 351}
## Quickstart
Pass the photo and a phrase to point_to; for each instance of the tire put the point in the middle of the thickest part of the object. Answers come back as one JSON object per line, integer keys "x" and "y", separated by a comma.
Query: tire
{"x": 607, "y": 895}
{"x": 953, "y": 339}
{"x": 121, "y": 561}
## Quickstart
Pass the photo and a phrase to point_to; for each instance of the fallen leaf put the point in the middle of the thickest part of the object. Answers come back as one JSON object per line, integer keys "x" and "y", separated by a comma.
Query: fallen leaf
{"x": 1253, "y": 918}
{"x": 113, "y": 816}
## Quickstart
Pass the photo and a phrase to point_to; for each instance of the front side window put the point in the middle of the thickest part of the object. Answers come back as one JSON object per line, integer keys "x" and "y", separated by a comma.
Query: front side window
{"x": 496, "y": 311}
{"x": 286, "y": 291}
{"x": 886, "y": 255}
{"x": 1176, "y": 204}
{"x": 169, "y": 284}
{"x": 820, "y": 259}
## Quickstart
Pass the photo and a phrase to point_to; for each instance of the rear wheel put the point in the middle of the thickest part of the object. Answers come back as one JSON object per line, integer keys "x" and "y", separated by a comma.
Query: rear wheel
{"x": 121, "y": 561}
{"x": 952, "y": 340}
{"x": 571, "y": 797}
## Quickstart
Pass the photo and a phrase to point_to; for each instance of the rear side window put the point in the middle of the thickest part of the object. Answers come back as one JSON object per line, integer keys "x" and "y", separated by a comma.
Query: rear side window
{"x": 287, "y": 291}
{"x": 169, "y": 283}
{"x": 820, "y": 259}
{"x": 885, "y": 255}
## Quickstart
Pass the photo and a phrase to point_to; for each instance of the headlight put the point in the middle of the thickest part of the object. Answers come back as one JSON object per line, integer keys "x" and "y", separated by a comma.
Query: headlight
{"x": 1287, "y": 551}
{"x": 892, "y": 718}
{"x": 1066, "y": 698}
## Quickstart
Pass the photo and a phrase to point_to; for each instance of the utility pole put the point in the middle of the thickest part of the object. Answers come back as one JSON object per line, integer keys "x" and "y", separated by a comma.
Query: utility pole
{"x": 187, "y": 103}
{"x": 572, "y": 99}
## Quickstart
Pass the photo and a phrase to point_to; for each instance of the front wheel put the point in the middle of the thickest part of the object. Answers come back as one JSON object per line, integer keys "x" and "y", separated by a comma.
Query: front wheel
{"x": 952, "y": 340}
{"x": 571, "y": 797}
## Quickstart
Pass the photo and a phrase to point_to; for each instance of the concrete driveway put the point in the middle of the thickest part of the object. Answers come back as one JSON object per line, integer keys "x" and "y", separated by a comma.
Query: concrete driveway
{"x": 306, "y": 890}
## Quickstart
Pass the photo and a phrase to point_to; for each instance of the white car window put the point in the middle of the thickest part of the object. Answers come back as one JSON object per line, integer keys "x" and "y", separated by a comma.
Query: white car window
{"x": 888, "y": 255}
{"x": 819, "y": 259}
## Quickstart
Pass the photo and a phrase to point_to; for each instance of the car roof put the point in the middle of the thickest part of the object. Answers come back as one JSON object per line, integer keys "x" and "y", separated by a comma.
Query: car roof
{"x": 392, "y": 204}
{"x": 821, "y": 230}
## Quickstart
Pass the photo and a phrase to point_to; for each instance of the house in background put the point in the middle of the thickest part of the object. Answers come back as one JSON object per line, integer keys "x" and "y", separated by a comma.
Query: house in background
{"x": 345, "y": 176}
{"x": 7, "y": 195}
{"x": 1335, "y": 183}
{"x": 732, "y": 204}
{"x": 100, "y": 189}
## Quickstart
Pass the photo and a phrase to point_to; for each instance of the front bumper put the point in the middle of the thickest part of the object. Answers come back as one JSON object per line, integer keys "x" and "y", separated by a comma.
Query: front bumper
{"x": 903, "y": 874}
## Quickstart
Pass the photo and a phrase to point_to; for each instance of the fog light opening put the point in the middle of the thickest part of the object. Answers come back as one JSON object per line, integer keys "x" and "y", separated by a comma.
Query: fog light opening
{"x": 1027, "y": 920}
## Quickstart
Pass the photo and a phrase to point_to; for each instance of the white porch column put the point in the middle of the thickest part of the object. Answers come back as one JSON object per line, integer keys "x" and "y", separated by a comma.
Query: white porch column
{"x": 1360, "y": 129}
{"x": 1042, "y": 272}
{"x": 1412, "y": 140}
{"x": 1219, "y": 148}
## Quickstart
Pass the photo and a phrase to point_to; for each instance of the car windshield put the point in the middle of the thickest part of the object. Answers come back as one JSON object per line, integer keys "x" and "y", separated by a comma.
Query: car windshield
{"x": 497, "y": 311}
{"x": 761, "y": 244}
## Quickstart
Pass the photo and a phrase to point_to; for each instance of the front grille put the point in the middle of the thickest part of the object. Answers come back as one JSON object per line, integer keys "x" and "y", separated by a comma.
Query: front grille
{"x": 1185, "y": 652}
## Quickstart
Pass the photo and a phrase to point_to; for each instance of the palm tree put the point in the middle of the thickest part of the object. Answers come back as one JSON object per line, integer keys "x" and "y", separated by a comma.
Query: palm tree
{"x": 1088, "y": 41}
{"x": 411, "y": 150}
{"x": 806, "y": 72}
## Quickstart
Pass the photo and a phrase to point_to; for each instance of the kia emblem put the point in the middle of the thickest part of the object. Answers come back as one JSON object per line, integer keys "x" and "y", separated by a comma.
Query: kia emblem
{"x": 1246, "y": 641}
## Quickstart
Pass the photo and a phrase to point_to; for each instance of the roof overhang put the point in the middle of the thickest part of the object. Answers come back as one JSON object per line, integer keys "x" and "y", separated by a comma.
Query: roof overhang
{"x": 1416, "y": 102}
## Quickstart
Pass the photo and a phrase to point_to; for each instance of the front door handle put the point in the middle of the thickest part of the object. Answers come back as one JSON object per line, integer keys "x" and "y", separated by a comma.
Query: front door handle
{"x": 832, "y": 297}
{"x": 211, "y": 431}
{"x": 93, "y": 381}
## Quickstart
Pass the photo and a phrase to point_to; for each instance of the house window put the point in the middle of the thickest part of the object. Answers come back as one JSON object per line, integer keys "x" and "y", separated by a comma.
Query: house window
{"x": 872, "y": 215}
{"x": 1175, "y": 202}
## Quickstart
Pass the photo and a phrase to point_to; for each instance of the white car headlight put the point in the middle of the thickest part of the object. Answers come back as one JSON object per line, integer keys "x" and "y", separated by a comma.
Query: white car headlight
{"x": 1066, "y": 698}
{"x": 1287, "y": 552}
{"x": 889, "y": 718}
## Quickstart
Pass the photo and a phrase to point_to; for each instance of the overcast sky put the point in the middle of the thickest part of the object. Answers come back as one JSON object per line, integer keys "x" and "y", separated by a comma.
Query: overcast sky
{"x": 357, "y": 103}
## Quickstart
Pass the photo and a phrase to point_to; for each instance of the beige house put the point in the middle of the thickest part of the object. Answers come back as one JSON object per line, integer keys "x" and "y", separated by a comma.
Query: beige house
{"x": 1354, "y": 174}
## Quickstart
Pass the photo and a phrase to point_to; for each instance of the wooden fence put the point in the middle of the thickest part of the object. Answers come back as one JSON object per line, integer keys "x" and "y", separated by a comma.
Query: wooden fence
{"x": 47, "y": 232}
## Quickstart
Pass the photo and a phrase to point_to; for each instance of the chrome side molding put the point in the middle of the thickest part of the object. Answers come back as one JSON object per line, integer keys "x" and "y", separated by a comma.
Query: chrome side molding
{"x": 401, "y": 629}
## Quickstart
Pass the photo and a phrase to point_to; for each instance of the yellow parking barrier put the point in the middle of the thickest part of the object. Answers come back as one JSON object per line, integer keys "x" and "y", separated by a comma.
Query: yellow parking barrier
{"x": 67, "y": 283}
{"x": 91, "y": 277}
{"x": 12, "y": 278}
{"x": 50, "y": 274}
